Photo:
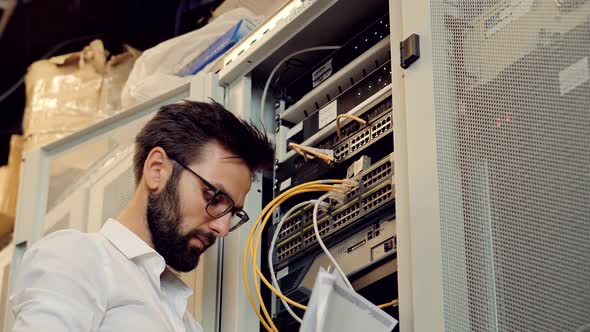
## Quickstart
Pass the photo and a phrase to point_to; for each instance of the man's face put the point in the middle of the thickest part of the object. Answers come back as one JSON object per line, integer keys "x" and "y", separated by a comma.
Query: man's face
{"x": 176, "y": 215}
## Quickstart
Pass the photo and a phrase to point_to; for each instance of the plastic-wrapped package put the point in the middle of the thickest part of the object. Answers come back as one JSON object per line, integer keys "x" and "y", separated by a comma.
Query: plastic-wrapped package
{"x": 258, "y": 7}
{"x": 116, "y": 73}
{"x": 68, "y": 93}
{"x": 63, "y": 94}
{"x": 153, "y": 73}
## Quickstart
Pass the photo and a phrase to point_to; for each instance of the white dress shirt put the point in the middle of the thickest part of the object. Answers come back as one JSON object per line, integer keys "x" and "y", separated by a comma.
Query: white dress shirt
{"x": 107, "y": 281}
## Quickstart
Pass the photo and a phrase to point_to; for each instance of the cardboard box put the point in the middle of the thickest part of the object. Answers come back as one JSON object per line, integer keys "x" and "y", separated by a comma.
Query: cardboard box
{"x": 5, "y": 220}
{"x": 9, "y": 183}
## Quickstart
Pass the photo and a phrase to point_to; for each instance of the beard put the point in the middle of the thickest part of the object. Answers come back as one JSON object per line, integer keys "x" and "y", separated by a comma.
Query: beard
{"x": 164, "y": 219}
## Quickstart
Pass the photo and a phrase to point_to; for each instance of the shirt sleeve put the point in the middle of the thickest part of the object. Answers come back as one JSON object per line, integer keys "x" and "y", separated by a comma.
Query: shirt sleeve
{"x": 61, "y": 285}
{"x": 191, "y": 324}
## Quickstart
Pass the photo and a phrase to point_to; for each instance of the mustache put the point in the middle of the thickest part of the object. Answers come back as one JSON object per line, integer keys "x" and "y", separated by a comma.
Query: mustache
{"x": 209, "y": 236}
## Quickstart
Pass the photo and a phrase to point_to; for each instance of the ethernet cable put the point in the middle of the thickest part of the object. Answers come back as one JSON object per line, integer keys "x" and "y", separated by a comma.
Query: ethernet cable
{"x": 325, "y": 155}
{"x": 321, "y": 242}
{"x": 350, "y": 116}
{"x": 393, "y": 303}
{"x": 254, "y": 250}
{"x": 271, "y": 250}
{"x": 334, "y": 186}
{"x": 327, "y": 252}
{"x": 252, "y": 247}
{"x": 273, "y": 72}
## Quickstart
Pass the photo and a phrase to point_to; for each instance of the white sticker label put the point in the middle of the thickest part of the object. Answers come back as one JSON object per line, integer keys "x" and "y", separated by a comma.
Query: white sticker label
{"x": 573, "y": 76}
{"x": 296, "y": 129}
{"x": 285, "y": 184}
{"x": 327, "y": 114}
{"x": 361, "y": 164}
{"x": 282, "y": 273}
{"x": 321, "y": 74}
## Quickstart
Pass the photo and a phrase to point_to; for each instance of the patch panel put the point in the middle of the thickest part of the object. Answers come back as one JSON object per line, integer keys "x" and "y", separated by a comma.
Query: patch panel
{"x": 373, "y": 132}
{"x": 377, "y": 196}
{"x": 357, "y": 253}
{"x": 360, "y": 140}
{"x": 368, "y": 178}
{"x": 346, "y": 101}
{"x": 378, "y": 171}
{"x": 295, "y": 222}
{"x": 340, "y": 218}
{"x": 348, "y": 88}
{"x": 299, "y": 171}
{"x": 352, "y": 193}
{"x": 341, "y": 151}
{"x": 374, "y": 174}
{"x": 298, "y": 221}
{"x": 382, "y": 126}
{"x": 289, "y": 249}
{"x": 352, "y": 127}
{"x": 345, "y": 214}
{"x": 323, "y": 227}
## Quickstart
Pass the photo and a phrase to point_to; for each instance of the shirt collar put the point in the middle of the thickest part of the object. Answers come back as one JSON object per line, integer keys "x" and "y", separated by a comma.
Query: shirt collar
{"x": 133, "y": 247}
{"x": 125, "y": 240}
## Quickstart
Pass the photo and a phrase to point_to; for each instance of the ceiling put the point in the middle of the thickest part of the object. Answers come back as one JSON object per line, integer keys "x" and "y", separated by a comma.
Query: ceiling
{"x": 37, "y": 28}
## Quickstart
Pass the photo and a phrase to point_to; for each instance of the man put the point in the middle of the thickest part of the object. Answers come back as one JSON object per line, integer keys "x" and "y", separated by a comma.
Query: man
{"x": 193, "y": 166}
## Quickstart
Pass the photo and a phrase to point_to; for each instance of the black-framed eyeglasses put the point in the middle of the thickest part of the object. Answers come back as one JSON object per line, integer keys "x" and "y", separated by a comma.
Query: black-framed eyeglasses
{"x": 219, "y": 203}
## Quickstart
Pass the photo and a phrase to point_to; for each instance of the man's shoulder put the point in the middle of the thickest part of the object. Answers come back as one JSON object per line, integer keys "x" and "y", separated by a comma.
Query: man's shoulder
{"x": 71, "y": 243}
{"x": 69, "y": 237}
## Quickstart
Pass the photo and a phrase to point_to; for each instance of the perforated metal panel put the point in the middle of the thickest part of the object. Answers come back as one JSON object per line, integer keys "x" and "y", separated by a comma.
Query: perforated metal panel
{"x": 512, "y": 105}
{"x": 117, "y": 194}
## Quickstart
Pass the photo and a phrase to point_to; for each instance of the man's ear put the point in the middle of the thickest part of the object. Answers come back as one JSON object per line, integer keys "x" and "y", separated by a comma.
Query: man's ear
{"x": 156, "y": 169}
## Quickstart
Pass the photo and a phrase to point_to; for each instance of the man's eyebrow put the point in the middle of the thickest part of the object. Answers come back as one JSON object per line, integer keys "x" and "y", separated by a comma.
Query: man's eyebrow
{"x": 219, "y": 186}
{"x": 222, "y": 188}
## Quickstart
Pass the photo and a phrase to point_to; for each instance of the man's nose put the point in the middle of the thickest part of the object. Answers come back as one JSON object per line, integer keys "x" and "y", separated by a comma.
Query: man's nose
{"x": 220, "y": 226}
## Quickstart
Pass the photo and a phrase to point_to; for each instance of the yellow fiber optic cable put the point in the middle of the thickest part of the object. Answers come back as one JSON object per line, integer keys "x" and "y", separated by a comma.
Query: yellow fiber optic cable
{"x": 252, "y": 248}
{"x": 288, "y": 193}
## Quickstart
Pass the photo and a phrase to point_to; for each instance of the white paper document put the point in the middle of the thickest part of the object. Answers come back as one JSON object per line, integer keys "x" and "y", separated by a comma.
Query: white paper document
{"x": 333, "y": 307}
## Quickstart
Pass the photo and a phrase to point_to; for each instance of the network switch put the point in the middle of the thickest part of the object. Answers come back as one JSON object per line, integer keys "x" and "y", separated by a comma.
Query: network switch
{"x": 353, "y": 127}
{"x": 347, "y": 100}
{"x": 354, "y": 141}
{"x": 357, "y": 253}
{"x": 368, "y": 201}
{"x": 367, "y": 179}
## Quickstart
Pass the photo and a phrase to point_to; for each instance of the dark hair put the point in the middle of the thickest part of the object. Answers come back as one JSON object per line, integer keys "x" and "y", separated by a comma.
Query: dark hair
{"x": 182, "y": 129}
